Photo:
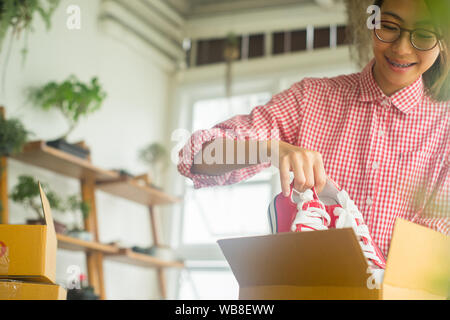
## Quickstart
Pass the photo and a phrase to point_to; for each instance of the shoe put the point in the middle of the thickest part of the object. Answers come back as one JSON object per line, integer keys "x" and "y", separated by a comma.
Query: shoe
{"x": 344, "y": 214}
{"x": 298, "y": 212}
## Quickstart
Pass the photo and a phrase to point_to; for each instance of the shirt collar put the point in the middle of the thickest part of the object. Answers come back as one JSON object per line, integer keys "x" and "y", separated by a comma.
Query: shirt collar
{"x": 405, "y": 100}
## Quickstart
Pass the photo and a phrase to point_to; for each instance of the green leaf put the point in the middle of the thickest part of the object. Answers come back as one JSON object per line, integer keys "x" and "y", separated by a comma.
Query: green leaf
{"x": 72, "y": 98}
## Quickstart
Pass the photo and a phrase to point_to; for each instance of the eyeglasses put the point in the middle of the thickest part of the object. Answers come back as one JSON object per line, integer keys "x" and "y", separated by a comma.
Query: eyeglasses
{"x": 421, "y": 39}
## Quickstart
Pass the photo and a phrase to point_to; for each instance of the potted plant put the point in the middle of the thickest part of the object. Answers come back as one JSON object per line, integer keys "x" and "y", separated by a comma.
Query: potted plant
{"x": 73, "y": 99}
{"x": 13, "y": 136}
{"x": 83, "y": 292}
{"x": 17, "y": 16}
{"x": 74, "y": 204}
{"x": 26, "y": 192}
{"x": 155, "y": 156}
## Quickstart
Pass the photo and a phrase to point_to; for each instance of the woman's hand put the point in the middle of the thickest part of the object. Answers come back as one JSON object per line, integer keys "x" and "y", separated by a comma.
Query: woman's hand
{"x": 307, "y": 166}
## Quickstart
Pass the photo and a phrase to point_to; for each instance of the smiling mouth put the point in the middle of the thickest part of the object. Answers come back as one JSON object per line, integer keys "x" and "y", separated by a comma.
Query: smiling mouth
{"x": 400, "y": 65}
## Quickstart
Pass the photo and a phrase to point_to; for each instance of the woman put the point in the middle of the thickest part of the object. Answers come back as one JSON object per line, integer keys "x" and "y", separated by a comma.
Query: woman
{"x": 382, "y": 134}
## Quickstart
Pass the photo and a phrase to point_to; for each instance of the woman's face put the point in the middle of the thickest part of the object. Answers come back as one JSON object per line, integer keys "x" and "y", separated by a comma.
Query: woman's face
{"x": 391, "y": 77}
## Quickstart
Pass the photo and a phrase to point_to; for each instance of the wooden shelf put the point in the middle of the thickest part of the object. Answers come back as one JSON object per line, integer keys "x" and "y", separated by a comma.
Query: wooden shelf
{"x": 128, "y": 256}
{"x": 93, "y": 178}
{"x": 124, "y": 255}
{"x": 39, "y": 154}
{"x": 74, "y": 244}
{"x": 133, "y": 191}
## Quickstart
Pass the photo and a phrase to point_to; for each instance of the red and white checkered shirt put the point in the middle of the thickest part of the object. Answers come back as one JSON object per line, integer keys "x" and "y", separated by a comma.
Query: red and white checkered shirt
{"x": 391, "y": 154}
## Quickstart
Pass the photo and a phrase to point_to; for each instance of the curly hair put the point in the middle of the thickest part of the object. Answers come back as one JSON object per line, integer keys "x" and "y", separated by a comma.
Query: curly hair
{"x": 437, "y": 78}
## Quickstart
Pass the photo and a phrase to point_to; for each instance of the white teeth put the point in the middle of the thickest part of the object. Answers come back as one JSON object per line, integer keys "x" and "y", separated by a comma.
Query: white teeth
{"x": 400, "y": 65}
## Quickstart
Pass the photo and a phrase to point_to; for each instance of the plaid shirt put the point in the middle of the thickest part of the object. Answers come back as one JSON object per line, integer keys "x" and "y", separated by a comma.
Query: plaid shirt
{"x": 391, "y": 154}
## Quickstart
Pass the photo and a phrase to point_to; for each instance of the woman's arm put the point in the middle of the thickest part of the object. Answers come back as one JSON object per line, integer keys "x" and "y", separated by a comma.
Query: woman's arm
{"x": 243, "y": 158}
{"x": 307, "y": 165}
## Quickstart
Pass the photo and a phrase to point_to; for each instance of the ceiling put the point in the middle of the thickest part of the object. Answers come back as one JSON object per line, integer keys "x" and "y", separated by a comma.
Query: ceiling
{"x": 195, "y": 8}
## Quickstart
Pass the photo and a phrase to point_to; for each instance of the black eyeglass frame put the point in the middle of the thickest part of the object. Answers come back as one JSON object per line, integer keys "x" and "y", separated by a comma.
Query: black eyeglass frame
{"x": 411, "y": 32}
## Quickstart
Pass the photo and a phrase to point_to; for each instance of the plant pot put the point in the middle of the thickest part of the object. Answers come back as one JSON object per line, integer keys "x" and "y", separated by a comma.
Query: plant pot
{"x": 59, "y": 227}
{"x": 81, "y": 234}
{"x": 73, "y": 149}
{"x": 82, "y": 294}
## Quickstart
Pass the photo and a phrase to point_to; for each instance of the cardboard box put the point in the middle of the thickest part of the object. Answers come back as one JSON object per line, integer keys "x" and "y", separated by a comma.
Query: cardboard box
{"x": 17, "y": 290}
{"x": 330, "y": 264}
{"x": 29, "y": 252}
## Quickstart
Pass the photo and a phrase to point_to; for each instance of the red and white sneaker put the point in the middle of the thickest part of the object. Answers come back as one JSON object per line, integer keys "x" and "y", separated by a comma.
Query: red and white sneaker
{"x": 345, "y": 214}
{"x": 298, "y": 212}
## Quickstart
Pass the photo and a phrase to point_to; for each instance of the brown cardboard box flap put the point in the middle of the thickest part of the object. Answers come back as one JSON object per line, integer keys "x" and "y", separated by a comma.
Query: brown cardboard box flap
{"x": 419, "y": 259}
{"x": 318, "y": 258}
{"x": 51, "y": 233}
{"x": 51, "y": 240}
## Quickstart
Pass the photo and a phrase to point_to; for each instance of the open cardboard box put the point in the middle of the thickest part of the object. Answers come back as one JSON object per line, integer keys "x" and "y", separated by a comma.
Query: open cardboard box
{"x": 330, "y": 265}
{"x": 28, "y": 252}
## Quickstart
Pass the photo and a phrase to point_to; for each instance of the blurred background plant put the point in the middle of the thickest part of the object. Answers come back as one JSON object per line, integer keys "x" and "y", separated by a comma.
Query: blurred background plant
{"x": 26, "y": 193}
{"x": 13, "y": 136}
{"x": 72, "y": 98}
{"x": 155, "y": 156}
{"x": 17, "y": 16}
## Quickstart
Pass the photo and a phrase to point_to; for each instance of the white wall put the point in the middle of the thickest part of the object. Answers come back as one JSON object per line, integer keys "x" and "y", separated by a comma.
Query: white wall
{"x": 132, "y": 116}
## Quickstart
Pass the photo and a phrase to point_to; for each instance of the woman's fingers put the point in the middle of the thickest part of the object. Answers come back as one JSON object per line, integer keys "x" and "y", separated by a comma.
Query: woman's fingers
{"x": 307, "y": 166}
{"x": 320, "y": 176}
{"x": 299, "y": 176}
{"x": 284, "y": 176}
{"x": 309, "y": 175}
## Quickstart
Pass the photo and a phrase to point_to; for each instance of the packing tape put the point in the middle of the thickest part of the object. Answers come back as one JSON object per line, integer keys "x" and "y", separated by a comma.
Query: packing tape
{"x": 4, "y": 258}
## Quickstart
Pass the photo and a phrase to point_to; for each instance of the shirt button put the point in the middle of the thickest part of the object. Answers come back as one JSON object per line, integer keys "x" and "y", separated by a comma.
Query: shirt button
{"x": 380, "y": 133}
{"x": 375, "y": 166}
{"x": 385, "y": 103}
{"x": 369, "y": 202}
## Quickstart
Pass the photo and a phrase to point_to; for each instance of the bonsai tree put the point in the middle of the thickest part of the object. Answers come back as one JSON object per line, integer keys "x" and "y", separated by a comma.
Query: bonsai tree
{"x": 155, "y": 156}
{"x": 74, "y": 204}
{"x": 17, "y": 15}
{"x": 13, "y": 136}
{"x": 72, "y": 98}
{"x": 26, "y": 192}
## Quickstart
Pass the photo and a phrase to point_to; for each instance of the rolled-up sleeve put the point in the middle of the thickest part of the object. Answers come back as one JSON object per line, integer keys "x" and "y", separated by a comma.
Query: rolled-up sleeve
{"x": 279, "y": 119}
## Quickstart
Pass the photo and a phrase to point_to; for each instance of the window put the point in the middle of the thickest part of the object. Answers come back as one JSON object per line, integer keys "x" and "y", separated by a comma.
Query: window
{"x": 210, "y": 214}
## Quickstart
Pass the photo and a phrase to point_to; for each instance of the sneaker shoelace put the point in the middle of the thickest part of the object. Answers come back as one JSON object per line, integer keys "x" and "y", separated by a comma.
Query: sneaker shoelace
{"x": 349, "y": 216}
{"x": 312, "y": 217}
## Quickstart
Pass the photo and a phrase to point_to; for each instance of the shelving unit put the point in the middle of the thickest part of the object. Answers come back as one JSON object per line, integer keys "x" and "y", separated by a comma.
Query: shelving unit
{"x": 93, "y": 178}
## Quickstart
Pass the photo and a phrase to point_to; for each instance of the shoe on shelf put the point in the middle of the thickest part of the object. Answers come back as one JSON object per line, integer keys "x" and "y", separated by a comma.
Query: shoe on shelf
{"x": 300, "y": 211}
{"x": 344, "y": 214}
